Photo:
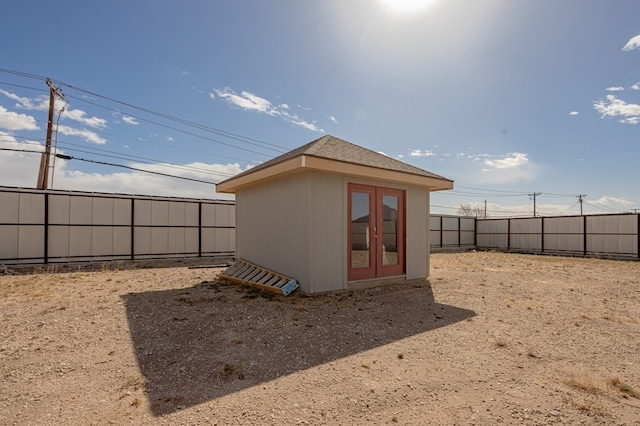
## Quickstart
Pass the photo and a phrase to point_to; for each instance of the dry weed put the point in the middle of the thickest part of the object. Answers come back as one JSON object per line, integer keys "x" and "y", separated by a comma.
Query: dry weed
{"x": 591, "y": 404}
{"x": 585, "y": 381}
{"x": 624, "y": 389}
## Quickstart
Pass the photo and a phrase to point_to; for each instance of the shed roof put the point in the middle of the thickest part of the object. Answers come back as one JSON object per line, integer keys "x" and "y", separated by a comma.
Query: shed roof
{"x": 336, "y": 155}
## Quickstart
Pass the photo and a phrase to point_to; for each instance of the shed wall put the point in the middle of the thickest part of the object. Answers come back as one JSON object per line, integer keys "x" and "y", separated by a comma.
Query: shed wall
{"x": 272, "y": 226}
{"x": 327, "y": 244}
{"x": 417, "y": 234}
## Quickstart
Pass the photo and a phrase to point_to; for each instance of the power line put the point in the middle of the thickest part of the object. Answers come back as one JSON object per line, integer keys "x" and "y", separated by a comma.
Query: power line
{"x": 229, "y": 135}
{"x": 140, "y": 159}
{"x": 69, "y": 157}
{"x": 142, "y": 141}
{"x": 166, "y": 126}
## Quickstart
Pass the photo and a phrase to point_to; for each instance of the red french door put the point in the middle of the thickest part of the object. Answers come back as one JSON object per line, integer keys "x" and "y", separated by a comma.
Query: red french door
{"x": 376, "y": 232}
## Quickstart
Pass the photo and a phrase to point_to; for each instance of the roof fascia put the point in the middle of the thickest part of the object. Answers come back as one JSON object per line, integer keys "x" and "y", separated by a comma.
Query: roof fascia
{"x": 357, "y": 170}
{"x": 230, "y": 185}
{"x": 296, "y": 164}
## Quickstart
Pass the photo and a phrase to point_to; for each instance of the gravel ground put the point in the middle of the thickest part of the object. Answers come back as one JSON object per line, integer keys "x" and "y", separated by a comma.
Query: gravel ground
{"x": 491, "y": 338}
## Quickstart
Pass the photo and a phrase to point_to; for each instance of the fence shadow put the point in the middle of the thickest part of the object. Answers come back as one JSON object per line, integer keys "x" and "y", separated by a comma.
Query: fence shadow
{"x": 197, "y": 344}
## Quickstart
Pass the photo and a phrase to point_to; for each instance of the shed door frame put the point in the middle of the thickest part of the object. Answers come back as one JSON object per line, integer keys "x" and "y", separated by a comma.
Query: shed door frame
{"x": 376, "y": 232}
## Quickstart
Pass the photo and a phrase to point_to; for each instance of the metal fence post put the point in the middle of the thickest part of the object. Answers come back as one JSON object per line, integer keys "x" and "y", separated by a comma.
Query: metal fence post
{"x": 133, "y": 229}
{"x": 46, "y": 228}
{"x": 584, "y": 236}
{"x": 542, "y": 235}
{"x": 200, "y": 229}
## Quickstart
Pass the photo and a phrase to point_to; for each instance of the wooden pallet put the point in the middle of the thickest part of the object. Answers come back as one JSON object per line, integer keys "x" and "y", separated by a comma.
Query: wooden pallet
{"x": 247, "y": 273}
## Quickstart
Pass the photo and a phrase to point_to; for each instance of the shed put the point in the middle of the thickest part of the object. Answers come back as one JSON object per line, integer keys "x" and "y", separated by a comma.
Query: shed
{"x": 335, "y": 216}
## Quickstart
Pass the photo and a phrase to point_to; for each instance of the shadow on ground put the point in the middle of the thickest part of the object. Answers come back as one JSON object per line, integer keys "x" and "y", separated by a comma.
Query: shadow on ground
{"x": 197, "y": 344}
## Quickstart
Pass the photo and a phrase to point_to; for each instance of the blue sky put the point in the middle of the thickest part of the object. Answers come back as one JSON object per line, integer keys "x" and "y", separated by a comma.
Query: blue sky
{"x": 507, "y": 98}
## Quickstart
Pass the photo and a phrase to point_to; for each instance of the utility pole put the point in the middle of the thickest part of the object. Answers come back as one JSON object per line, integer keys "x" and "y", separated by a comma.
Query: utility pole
{"x": 485, "y": 209}
{"x": 43, "y": 173}
{"x": 580, "y": 199}
{"x": 534, "y": 195}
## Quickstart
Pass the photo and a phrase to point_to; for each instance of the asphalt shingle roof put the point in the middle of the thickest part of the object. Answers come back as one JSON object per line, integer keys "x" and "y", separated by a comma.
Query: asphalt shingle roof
{"x": 332, "y": 148}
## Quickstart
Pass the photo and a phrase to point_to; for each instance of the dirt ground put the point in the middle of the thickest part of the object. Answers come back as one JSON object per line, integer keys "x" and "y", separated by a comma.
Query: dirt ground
{"x": 491, "y": 338}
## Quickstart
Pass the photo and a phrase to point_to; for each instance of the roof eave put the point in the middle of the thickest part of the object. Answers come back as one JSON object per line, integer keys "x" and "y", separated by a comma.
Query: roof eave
{"x": 296, "y": 164}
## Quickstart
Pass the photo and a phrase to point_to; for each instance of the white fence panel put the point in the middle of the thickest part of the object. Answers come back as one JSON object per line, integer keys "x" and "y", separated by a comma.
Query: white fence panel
{"x": 564, "y": 234}
{"x": 450, "y": 231}
{"x": 81, "y": 211}
{"x": 9, "y": 207}
{"x": 492, "y": 233}
{"x": 434, "y": 231}
{"x": 9, "y": 242}
{"x": 90, "y": 227}
{"x": 29, "y": 243}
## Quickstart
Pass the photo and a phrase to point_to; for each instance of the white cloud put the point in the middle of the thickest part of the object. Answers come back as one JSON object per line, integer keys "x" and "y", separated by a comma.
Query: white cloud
{"x": 137, "y": 182}
{"x": 40, "y": 103}
{"x": 421, "y": 153}
{"x": 633, "y": 43}
{"x": 574, "y": 113}
{"x": 635, "y": 86}
{"x": 81, "y": 117}
{"x": 129, "y": 120}
{"x": 247, "y": 100}
{"x": 614, "y": 89}
{"x": 87, "y": 135}
{"x": 509, "y": 161}
{"x": 311, "y": 126}
{"x": 10, "y": 120}
{"x": 20, "y": 169}
{"x": 333, "y": 119}
{"x": 614, "y": 107}
{"x": 251, "y": 102}
{"x": 613, "y": 200}
{"x": 508, "y": 168}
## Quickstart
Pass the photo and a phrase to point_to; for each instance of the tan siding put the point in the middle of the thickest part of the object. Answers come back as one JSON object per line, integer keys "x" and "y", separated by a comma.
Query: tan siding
{"x": 417, "y": 256}
{"x": 328, "y": 233}
{"x": 273, "y": 226}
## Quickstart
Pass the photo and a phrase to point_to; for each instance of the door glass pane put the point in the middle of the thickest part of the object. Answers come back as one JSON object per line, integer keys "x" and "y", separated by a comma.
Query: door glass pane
{"x": 360, "y": 235}
{"x": 389, "y": 230}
